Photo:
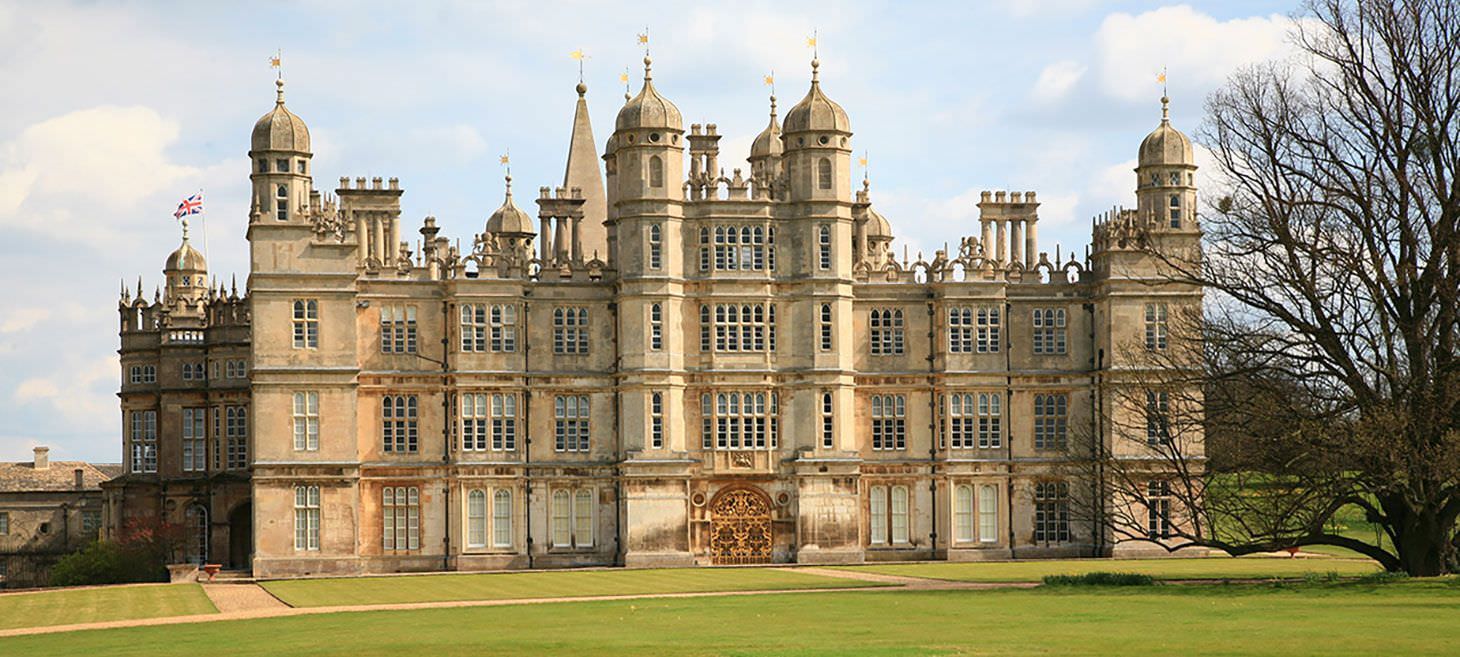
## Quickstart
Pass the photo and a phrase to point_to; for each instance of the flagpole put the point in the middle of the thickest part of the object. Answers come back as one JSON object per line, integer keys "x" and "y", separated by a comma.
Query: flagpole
{"x": 204, "y": 212}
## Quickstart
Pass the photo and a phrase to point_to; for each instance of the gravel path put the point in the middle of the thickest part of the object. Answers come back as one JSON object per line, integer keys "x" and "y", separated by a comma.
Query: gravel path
{"x": 242, "y": 598}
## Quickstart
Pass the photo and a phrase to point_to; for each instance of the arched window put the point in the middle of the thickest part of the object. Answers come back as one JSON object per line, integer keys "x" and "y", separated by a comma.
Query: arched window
{"x": 988, "y": 513}
{"x": 502, "y": 518}
{"x": 899, "y": 514}
{"x": 704, "y": 249}
{"x": 1175, "y": 206}
{"x": 656, "y": 236}
{"x": 562, "y": 519}
{"x": 826, "y": 327}
{"x": 476, "y": 519}
{"x": 583, "y": 518}
{"x": 656, "y": 327}
{"x": 656, "y": 420}
{"x": 823, "y": 241}
{"x": 281, "y": 204}
{"x": 656, "y": 171}
{"x": 197, "y": 528}
{"x": 963, "y": 514}
{"x": 823, "y": 173}
{"x": 877, "y": 512}
{"x": 827, "y": 428}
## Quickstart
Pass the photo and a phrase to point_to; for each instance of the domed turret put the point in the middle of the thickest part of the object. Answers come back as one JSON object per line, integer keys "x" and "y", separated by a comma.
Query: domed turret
{"x": 186, "y": 259}
{"x": 649, "y": 109}
{"x": 280, "y": 129}
{"x": 509, "y": 220}
{"x": 1166, "y": 145}
{"x": 768, "y": 143}
{"x": 816, "y": 112}
{"x": 186, "y": 272}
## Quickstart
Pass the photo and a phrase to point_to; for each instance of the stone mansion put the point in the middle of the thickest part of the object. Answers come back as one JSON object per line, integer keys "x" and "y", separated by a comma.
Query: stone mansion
{"x": 663, "y": 365}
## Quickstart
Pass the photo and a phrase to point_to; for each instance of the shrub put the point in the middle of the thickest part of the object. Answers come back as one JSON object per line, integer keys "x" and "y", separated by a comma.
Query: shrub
{"x": 1100, "y": 579}
{"x": 106, "y": 562}
{"x": 1382, "y": 577}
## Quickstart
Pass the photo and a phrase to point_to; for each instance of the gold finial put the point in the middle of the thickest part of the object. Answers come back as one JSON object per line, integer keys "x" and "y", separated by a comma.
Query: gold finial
{"x": 578, "y": 55}
{"x": 624, "y": 78}
{"x": 277, "y": 61}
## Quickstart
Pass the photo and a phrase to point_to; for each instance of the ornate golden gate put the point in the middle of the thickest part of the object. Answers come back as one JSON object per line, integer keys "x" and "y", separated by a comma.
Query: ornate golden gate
{"x": 740, "y": 527}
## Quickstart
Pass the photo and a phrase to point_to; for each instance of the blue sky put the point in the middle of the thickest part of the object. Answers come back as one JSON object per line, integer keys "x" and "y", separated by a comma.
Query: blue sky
{"x": 117, "y": 111}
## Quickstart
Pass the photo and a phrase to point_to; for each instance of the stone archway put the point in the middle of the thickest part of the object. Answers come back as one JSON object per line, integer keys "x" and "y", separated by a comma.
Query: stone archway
{"x": 240, "y": 537}
{"x": 740, "y": 527}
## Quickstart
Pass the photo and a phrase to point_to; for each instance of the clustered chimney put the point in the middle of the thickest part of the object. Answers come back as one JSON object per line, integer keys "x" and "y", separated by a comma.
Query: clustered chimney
{"x": 42, "y": 458}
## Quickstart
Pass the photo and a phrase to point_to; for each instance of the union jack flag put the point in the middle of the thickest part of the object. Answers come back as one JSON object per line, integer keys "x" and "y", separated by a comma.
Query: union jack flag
{"x": 190, "y": 205}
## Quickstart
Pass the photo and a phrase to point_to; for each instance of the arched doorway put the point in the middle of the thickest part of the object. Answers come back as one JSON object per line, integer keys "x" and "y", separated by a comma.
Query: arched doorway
{"x": 240, "y": 537}
{"x": 740, "y": 527}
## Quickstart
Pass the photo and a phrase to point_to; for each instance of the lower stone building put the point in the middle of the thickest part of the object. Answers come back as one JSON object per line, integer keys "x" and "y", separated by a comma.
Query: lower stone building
{"x": 47, "y": 510}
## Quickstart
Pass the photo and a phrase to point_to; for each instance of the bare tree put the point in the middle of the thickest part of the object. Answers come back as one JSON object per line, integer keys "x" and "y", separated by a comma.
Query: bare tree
{"x": 1328, "y": 376}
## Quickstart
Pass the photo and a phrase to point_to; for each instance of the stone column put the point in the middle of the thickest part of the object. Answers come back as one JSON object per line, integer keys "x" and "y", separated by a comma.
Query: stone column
{"x": 545, "y": 240}
{"x": 1016, "y": 241}
{"x": 1001, "y": 244}
{"x": 1031, "y": 242}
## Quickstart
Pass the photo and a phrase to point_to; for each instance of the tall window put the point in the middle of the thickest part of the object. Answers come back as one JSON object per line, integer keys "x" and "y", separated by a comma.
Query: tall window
{"x": 306, "y": 421}
{"x": 962, "y": 418}
{"x": 306, "y": 517}
{"x": 963, "y": 513}
{"x": 1051, "y": 421}
{"x": 988, "y": 513}
{"x": 306, "y": 323}
{"x": 398, "y": 424}
{"x": 1158, "y": 509}
{"x": 745, "y": 248}
{"x": 401, "y": 510}
{"x": 1158, "y": 417}
{"x": 4, "y": 523}
{"x": 1156, "y": 326}
{"x": 656, "y": 327}
{"x": 740, "y": 327}
{"x": 236, "y": 432}
{"x": 573, "y": 518}
{"x": 889, "y": 429}
{"x": 1175, "y": 210}
{"x": 1049, "y": 331}
{"x": 656, "y": 420}
{"x": 825, "y": 320}
{"x": 888, "y": 507}
{"x": 281, "y": 201}
{"x": 1051, "y": 512}
{"x": 823, "y": 173}
{"x": 488, "y": 415}
{"x": 960, "y": 330}
{"x": 502, "y": 518}
{"x": 398, "y": 329}
{"x": 144, "y": 441}
{"x": 827, "y": 416}
{"x": 656, "y": 246}
{"x": 489, "y": 327}
{"x": 740, "y": 420}
{"x": 570, "y": 431}
{"x": 476, "y": 519}
{"x": 656, "y": 171}
{"x": 823, "y": 247}
{"x": 988, "y": 337}
{"x": 887, "y": 331}
{"x": 570, "y": 330}
{"x": 194, "y": 439}
{"x": 990, "y": 420}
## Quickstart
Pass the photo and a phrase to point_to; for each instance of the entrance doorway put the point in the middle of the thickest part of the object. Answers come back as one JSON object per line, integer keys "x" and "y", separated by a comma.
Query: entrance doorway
{"x": 240, "y": 537}
{"x": 740, "y": 527}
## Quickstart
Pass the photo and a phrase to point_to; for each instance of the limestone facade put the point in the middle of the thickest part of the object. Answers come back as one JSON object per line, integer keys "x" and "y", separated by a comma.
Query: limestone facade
{"x": 672, "y": 366}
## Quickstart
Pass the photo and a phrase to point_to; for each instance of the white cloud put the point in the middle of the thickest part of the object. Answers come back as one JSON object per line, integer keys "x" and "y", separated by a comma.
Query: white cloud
{"x": 1198, "y": 50}
{"x": 1045, "y": 8}
{"x": 77, "y": 389}
{"x": 1057, "y": 79}
{"x": 22, "y": 319}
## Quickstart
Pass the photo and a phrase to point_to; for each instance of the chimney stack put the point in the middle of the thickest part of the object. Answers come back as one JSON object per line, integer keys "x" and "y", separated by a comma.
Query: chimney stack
{"x": 80, "y": 479}
{"x": 42, "y": 458}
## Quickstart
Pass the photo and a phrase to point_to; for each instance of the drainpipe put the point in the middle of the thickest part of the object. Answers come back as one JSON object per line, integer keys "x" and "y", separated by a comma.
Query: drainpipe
{"x": 1097, "y": 430}
{"x": 618, "y": 485}
{"x": 446, "y": 424}
{"x": 526, "y": 338}
{"x": 1008, "y": 406}
{"x": 933, "y": 433}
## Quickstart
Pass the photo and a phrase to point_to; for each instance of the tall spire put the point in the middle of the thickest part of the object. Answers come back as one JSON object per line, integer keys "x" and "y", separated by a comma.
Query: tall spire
{"x": 583, "y": 172}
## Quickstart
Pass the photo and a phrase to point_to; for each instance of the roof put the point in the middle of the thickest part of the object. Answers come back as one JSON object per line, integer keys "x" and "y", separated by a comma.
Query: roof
{"x": 186, "y": 258}
{"x": 509, "y": 219}
{"x": 816, "y": 111}
{"x": 1166, "y": 145}
{"x": 60, "y": 477}
{"x": 649, "y": 109}
{"x": 768, "y": 142}
{"x": 280, "y": 129}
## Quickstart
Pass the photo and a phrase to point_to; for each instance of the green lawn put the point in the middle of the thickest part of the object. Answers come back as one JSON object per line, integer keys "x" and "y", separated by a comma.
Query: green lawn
{"x": 1410, "y": 618}
{"x": 548, "y": 584}
{"x": 65, "y": 607}
{"x": 1204, "y": 568}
